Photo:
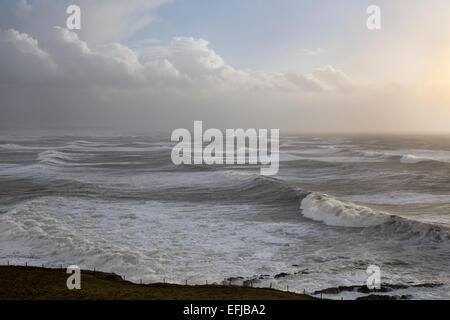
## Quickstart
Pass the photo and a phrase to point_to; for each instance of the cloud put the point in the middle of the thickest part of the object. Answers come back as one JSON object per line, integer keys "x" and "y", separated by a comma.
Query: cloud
{"x": 186, "y": 63}
{"x": 21, "y": 59}
{"x": 50, "y": 74}
{"x": 331, "y": 78}
{"x": 70, "y": 78}
{"x": 202, "y": 66}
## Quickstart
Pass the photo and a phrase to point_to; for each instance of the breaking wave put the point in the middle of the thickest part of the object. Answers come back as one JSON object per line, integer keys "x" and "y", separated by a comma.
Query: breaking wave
{"x": 53, "y": 157}
{"x": 403, "y": 156}
{"x": 339, "y": 213}
{"x": 334, "y": 212}
{"x": 410, "y": 158}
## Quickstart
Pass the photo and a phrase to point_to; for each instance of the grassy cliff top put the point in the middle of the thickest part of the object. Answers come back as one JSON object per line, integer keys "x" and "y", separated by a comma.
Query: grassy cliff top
{"x": 24, "y": 283}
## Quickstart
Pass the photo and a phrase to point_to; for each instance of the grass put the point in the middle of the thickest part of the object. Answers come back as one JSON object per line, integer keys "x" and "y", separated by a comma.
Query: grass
{"x": 36, "y": 283}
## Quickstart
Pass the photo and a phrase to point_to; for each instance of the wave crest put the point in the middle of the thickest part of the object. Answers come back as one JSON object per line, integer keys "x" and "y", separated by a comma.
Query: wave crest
{"x": 53, "y": 157}
{"x": 410, "y": 158}
{"x": 10, "y": 146}
{"x": 334, "y": 212}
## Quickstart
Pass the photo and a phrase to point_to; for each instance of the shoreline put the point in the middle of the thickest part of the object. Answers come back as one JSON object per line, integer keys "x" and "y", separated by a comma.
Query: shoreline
{"x": 41, "y": 283}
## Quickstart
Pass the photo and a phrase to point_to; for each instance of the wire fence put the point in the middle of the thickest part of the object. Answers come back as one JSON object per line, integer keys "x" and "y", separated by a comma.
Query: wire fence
{"x": 225, "y": 283}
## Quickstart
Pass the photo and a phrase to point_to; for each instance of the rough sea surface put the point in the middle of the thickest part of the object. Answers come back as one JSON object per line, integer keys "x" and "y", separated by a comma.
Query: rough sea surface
{"x": 338, "y": 204}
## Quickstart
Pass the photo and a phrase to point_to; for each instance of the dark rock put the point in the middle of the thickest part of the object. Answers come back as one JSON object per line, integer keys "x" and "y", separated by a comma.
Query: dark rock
{"x": 302, "y": 272}
{"x": 281, "y": 275}
{"x": 234, "y": 279}
{"x": 384, "y": 297}
{"x": 384, "y": 288}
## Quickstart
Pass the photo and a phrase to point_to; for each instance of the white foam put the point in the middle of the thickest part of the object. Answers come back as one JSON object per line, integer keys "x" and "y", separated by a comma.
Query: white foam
{"x": 410, "y": 158}
{"x": 239, "y": 175}
{"x": 334, "y": 212}
{"x": 351, "y": 153}
{"x": 400, "y": 198}
{"x": 53, "y": 157}
{"x": 11, "y": 146}
{"x": 178, "y": 241}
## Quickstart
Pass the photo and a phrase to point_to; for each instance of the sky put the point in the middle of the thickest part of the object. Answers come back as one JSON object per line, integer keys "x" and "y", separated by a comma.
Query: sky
{"x": 300, "y": 66}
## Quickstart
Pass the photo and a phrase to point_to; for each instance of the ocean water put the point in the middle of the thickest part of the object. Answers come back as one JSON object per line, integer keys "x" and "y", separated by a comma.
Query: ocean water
{"x": 338, "y": 204}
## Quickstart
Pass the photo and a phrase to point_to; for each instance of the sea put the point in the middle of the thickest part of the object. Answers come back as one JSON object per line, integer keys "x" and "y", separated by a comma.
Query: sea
{"x": 339, "y": 204}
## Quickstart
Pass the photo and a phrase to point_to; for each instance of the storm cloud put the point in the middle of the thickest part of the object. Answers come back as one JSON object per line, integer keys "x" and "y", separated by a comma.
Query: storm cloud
{"x": 93, "y": 77}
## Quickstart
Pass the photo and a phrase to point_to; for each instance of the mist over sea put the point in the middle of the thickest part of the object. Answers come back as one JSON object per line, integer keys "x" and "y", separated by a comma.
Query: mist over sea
{"x": 338, "y": 204}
